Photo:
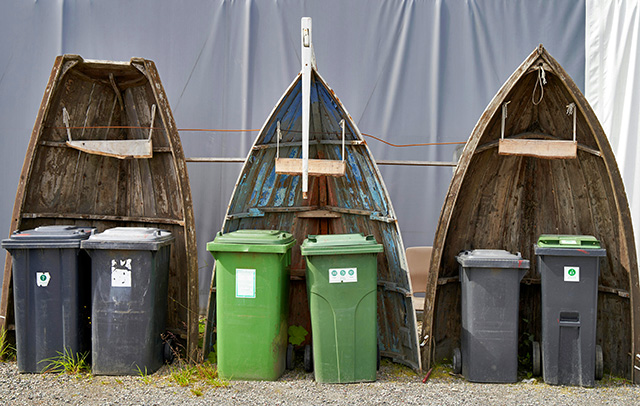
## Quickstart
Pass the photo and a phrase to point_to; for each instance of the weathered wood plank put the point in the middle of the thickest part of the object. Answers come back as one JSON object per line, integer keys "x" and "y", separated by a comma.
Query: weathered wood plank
{"x": 317, "y": 167}
{"x": 550, "y": 149}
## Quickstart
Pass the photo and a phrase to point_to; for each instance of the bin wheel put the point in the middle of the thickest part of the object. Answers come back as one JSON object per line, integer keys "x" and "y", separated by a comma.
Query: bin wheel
{"x": 168, "y": 351}
{"x": 308, "y": 358}
{"x": 457, "y": 361}
{"x": 290, "y": 356}
{"x": 536, "y": 358}
{"x": 599, "y": 363}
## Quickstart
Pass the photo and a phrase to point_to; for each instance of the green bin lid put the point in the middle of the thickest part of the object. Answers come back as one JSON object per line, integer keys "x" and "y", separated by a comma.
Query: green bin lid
{"x": 568, "y": 241}
{"x": 268, "y": 241}
{"x": 337, "y": 244}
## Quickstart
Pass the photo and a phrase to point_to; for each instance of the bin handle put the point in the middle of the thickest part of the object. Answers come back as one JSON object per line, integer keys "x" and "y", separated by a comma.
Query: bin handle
{"x": 569, "y": 320}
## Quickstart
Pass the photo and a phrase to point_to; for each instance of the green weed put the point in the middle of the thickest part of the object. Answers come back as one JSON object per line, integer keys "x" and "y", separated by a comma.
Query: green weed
{"x": 67, "y": 362}
{"x": 145, "y": 376}
{"x": 196, "y": 375}
{"x": 297, "y": 334}
{"x": 7, "y": 352}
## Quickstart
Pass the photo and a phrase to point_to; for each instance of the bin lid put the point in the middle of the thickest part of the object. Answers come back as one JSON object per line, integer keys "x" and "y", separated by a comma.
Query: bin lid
{"x": 129, "y": 238}
{"x": 568, "y": 241}
{"x": 338, "y": 244}
{"x": 54, "y": 236}
{"x": 488, "y": 258}
{"x": 267, "y": 241}
{"x": 569, "y": 245}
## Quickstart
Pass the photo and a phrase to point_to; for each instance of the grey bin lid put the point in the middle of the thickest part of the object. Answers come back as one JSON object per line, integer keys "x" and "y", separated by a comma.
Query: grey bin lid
{"x": 129, "y": 238}
{"x": 487, "y": 258}
{"x": 55, "y": 236}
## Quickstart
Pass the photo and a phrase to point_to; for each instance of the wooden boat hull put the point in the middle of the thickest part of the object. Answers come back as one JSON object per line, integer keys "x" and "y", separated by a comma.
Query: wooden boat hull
{"x": 111, "y": 102}
{"x": 350, "y": 197}
{"x": 508, "y": 201}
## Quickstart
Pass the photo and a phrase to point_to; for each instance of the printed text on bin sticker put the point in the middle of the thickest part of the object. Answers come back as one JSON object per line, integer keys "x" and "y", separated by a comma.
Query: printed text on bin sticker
{"x": 121, "y": 273}
{"x": 572, "y": 274}
{"x": 339, "y": 275}
{"x": 42, "y": 279}
{"x": 246, "y": 283}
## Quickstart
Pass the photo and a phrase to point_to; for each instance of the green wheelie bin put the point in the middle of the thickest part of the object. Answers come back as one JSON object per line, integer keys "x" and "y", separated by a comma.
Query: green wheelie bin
{"x": 342, "y": 285}
{"x": 252, "y": 299}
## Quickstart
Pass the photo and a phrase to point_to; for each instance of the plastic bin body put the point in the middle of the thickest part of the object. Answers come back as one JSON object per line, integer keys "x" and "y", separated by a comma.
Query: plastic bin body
{"x": 569, "y": 268}
{"x": 342, "y": 288}
{"x": 130, "y": 271}
{"x": 490, "y": 282}
{"x": 51, "y": 295}
{"x": 252, "y": 302}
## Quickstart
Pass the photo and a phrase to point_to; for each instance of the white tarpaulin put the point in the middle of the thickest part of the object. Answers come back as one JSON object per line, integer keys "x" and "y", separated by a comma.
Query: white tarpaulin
{"x": 612, "y": 86}
{"x": 407, "y": 71}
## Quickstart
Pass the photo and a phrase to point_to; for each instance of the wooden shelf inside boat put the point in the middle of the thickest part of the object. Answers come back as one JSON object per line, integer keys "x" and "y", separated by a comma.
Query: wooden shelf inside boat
{"x": 317, "y": 167}
{"x": 550, "y": 149}
{"x": 63, "y": 144}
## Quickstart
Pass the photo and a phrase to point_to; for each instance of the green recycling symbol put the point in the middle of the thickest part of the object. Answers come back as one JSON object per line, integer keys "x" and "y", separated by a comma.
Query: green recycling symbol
{"x": 343, "y": 273}
{"x": 571, "y": 272}
{"x": 350, "y": 272}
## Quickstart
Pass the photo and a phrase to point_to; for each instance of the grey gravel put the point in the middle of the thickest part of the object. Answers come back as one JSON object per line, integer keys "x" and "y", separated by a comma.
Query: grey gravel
{"x": 396, "y": 385}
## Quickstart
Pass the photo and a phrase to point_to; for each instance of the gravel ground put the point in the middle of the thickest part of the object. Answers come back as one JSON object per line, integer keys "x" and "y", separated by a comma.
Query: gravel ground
{"x": 395, "y": 385}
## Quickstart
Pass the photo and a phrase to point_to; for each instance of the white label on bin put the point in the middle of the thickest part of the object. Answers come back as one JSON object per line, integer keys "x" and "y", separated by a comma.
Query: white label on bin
{"x": 121, "y": 273}
{"x": 339, "y": 275}
{"x": 572, "y": 274}
{"x": 42, "y": 279}
{"x": 246, "y": 283}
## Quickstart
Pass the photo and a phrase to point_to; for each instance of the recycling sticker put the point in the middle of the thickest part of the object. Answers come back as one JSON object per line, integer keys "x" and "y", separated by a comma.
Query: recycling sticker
{"x": 572, "y": 274}
{"x": 121, "y": 273}
{"x": 339, "y": 275}
{"x": 42, "y": 279}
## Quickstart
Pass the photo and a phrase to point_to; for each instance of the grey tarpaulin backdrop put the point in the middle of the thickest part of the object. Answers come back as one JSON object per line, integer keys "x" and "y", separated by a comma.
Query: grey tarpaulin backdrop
{"x": 407, "y": 71}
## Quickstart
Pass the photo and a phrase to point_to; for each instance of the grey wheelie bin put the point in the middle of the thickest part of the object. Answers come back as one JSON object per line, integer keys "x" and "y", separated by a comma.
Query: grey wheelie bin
{"x": 51, "y": 294}
{"x": 569, "y": 270}
{"x": 130, "y": 272}
{"x": 490, "y": 302}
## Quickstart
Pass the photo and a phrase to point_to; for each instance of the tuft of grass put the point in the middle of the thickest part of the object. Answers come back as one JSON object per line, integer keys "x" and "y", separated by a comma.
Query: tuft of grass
{"x": 443, "y": 371}
{"x": 612, "y": 380}
{"x": 7, "y": 352}
{"x": 69, "y": 363}
{"x": 144, "y": 375}
{"x": 197, "y": 375}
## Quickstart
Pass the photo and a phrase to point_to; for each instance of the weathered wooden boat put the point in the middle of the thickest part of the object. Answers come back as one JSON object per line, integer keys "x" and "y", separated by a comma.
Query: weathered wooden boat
{"x": 529, "y": 168}
{"x": 105, "y": 152}
{"x": 345, "y": 194}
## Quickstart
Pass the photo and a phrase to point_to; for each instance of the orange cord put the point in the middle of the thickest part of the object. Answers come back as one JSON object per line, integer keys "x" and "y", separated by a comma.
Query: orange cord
{"x": 251, "y": 130}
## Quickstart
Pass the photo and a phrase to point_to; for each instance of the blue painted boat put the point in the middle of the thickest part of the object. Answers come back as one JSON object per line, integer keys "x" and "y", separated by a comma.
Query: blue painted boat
{"x": 346, "y": 194}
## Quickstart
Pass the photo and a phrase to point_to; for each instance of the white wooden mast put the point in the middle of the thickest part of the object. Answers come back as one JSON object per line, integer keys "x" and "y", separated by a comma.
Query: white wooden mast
{"x": 307, "y": 60}
{"x": 305, "y": 166}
